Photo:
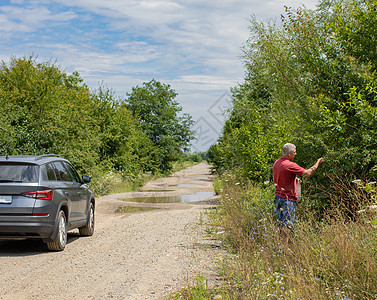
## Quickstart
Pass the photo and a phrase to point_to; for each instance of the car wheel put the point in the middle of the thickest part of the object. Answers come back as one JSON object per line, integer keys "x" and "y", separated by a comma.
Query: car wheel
{"x": 61, "y": 238}
{"x": 88, "y": 229}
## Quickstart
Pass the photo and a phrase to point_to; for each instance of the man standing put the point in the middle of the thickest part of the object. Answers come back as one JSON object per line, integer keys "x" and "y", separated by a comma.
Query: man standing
{"x": 284, "y": 172}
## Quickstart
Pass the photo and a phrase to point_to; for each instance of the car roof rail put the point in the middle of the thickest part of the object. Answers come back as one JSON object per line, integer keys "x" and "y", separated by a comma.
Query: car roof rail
{"x": 47, "y": 155}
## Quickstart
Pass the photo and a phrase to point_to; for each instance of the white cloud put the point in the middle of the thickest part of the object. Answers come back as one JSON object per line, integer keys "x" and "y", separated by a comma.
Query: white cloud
{"x": 29, "y": 19}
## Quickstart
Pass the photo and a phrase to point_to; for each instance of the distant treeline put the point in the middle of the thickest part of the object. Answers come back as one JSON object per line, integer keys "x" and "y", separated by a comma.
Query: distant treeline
{"x": 310, "y": 80}
{"x": 44, "y": 110}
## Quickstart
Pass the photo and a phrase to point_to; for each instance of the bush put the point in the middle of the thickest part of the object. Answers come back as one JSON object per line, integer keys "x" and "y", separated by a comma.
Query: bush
{"x": 195, "y": 157}
{"x": 332, "y": 258}
{"x": 311, "y": 82}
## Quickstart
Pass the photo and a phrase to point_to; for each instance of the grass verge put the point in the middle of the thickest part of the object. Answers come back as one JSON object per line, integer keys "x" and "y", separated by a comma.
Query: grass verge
{"x": 330, "y": 258}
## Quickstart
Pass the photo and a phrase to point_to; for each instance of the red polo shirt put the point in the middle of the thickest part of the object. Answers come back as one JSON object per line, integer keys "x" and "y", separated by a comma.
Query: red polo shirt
{"x": 285, "y": 172}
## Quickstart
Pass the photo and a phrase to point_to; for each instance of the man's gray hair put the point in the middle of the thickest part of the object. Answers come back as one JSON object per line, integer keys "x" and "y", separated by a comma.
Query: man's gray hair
{"x": 288, "y": 148}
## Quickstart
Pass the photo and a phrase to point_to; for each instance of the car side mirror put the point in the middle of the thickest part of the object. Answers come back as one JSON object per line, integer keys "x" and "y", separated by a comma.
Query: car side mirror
{"x": 86, "y": 179}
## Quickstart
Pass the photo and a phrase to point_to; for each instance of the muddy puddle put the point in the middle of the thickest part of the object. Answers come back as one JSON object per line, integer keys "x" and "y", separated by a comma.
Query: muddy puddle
{"x": 132, "y": 209}
{"x": 158, "y": 191}
{"x": 198, "y": 196}
{"x": 188, "y": 185}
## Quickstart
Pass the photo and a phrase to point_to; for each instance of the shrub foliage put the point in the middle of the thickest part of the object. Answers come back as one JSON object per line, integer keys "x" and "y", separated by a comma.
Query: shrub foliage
{"x": 308, "y": 84}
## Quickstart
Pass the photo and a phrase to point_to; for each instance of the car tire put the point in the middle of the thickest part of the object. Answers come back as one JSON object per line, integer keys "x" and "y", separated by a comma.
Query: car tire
{"x": 61, "y": 238}
{"x": 88, "y": 229}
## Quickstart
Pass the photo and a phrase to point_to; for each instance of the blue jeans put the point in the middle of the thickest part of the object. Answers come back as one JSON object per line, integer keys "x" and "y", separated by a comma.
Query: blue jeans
{"x": 285, "y": 211}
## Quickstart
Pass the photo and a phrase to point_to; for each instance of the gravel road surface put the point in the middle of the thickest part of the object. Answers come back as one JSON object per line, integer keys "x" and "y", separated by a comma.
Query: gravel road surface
{"x": 142, "y": 255}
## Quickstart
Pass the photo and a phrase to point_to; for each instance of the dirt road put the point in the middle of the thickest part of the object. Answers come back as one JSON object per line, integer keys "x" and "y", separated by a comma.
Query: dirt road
{"x": 142, "y": 255}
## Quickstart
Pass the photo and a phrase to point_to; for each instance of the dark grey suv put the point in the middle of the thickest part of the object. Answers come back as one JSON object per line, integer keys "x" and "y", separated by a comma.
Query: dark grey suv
{"x": 43, "y": 197}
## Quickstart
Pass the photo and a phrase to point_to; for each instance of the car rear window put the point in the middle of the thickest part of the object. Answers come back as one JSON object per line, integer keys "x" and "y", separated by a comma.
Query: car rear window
{"x": 18, "y": 173}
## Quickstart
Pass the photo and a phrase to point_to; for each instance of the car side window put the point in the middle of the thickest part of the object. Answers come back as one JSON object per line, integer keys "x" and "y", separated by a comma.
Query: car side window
{"x": 75, "y": 176}
{"x": 48, "y": 172}
{"x": 62, "y": 173}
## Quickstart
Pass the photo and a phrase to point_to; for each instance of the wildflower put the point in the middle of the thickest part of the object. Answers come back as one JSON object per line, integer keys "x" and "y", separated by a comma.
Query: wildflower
{"x": 317, "y": 279}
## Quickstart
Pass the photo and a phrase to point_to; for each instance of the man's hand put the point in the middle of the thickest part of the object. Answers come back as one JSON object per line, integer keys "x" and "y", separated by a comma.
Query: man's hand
{"x": 311, "y": 170}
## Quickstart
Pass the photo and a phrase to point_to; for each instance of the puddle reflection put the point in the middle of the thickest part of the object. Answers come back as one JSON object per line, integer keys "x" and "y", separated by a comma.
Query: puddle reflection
{"x": 199, "y": 196}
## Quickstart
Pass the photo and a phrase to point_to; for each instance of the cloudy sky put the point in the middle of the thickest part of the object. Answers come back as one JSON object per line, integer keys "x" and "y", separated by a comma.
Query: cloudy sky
{"x": 193, "y": 45}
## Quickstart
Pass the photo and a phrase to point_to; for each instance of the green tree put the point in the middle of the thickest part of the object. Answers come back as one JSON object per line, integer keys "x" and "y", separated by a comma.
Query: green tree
{"x": 307, "y": 84}
{"x": 46, "y": 111}
{"x": 155, "y": 106}
{"x": 355, "y": 26}
{"x": 124, "y": 144}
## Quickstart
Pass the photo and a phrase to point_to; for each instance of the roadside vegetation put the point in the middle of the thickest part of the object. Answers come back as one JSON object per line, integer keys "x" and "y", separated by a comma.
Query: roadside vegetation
{"x": 310, "y": 80}
{"x": 332, "y": 258}
{"x": 119, "y": 142}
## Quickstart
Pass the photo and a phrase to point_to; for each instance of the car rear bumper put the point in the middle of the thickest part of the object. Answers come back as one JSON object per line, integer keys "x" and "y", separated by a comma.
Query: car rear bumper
{"x": 26, "y": 229}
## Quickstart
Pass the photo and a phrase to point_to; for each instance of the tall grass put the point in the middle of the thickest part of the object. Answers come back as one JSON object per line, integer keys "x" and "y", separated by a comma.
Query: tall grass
{"x": 328, "y": 258}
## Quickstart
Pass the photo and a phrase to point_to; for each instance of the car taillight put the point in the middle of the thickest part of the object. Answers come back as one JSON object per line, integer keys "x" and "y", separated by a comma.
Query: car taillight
{"x": 41, "y": 195}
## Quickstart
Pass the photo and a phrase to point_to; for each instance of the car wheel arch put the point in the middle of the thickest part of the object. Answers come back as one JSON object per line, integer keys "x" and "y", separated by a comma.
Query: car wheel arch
{"x": 65, "y": 209}
{"x": 61, "y": 238}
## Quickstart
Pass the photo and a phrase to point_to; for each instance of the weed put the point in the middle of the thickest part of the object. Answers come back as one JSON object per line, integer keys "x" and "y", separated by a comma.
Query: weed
{"x": 217, "y": 186}
{"x": 331, "y": 257}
